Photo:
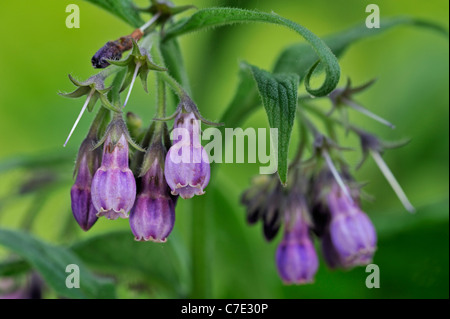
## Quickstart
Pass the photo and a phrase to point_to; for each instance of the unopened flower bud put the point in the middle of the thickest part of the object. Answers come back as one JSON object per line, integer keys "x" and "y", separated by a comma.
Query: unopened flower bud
{"x": 88, "y": 162}
{"x": 296, "y": 257}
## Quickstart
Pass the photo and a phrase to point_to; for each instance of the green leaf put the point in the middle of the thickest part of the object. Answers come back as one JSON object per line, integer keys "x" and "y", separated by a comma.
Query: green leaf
{"x": 13, "y": 267}
{"x": 299, "y": 58}
{"x": 119, "y": 254}
{"x": 279, "y": 97}
{"x": 51, "y": 262}
{"x": 50, "y": 159}
{"x": 124, "y": 9}
{"x": 214, "y": 17}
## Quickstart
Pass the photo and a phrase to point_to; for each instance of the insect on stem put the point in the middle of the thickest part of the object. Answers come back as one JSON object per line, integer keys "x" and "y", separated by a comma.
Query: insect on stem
{"x": 79, "y": 116}
{"x": 336, "y": 175}
{"x": 392, "y": 181}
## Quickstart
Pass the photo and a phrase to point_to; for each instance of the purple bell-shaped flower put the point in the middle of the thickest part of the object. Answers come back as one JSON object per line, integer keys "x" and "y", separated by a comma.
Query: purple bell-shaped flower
{"x": 113, "y": 186}
{"x": 153, "y": 215}
{"x": 187, "y": 168}
{"x": 296, "y": 257}
{"x": 350, "y": 239}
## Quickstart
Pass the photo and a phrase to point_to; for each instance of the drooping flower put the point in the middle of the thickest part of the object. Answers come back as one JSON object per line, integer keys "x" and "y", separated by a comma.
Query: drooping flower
{"x": 153, "y": 214}
{"x": 296, "y": 258}
{"x": 351, "y": 233}
{"x": 187, "y": 168}
{"x": 88, "y": 161}
{"x": 264, "y": 201}
{"x": 113, "y": 186}
{"x": 82, "y": 207}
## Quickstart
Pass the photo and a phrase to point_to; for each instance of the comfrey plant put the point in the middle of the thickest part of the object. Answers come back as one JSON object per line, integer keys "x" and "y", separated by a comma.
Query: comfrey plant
{"x": 126, "y": 171}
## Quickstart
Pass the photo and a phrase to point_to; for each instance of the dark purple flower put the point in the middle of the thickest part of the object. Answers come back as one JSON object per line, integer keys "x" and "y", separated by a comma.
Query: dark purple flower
{"x": 110, "y": 51}
{"x": 113, "y": 186}
{"x": 153, "y": 214}
{"x": 82, "y": 207}
{"x": 350, "y": 238}
{"x": 187, "y": 168}
{"x": 296, "y": 257}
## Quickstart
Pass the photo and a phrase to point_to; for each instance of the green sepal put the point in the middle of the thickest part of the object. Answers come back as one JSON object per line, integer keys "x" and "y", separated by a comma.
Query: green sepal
{"x": 124, "y": 62}
{"x": 94, "y": 87}
{"x": 83, "y": 90}
{"x": 138, "y": 56}
{"x": 92, "y": 101}
{"x": 108, "y": 105}
{"x": 143, "y": 76}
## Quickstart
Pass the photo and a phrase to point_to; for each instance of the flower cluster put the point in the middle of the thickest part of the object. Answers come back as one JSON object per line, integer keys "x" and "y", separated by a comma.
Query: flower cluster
{"x": 106, "y": 186}
{"x": 307, "y": 209}
{"x": 321, "y": 201}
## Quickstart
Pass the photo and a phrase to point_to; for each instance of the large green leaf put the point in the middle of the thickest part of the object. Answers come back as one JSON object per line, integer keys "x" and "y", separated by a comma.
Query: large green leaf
{"x": 118, "y": 253}
{"x": 51, "y": 262}
{"x": 213, "y": 17}
{"x": 300, "y": 57}
{"x": 279, "y": 96}
{"x": 123, "y": 9}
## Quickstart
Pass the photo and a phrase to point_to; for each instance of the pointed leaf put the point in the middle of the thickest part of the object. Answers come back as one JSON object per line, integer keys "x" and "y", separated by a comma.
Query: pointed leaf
{"x": 279, "y": 96}
{"x": 299, "y": 58}
{"x": 213, "y": 17}
{"x": 51, "y": 262}
{"x": 118, "y": 253}
{"x": 124, "y": 9}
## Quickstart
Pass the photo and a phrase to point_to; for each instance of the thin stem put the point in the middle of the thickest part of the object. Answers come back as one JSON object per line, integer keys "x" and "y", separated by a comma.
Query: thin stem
{"x": 161, "y": 97}
{"x": 97, "y": 123}
{"x": 150, "y": 22}
{"x": 174, "y": 85}
{"x": 303, "y": 135}
{"x": 327, "y": 119}
{"x": 158, "y": 58}
{"x": 392, "y": 181}
{"x": 109, "y": 71}
{"x": 336, "y": 175}
{"x": 136, "y": 70}
{"x": 366, "y": 112}
{"x": 79, "y": 116}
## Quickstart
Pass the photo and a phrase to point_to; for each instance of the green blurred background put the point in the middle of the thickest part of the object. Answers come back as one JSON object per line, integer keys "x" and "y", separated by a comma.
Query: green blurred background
{"x": 411, "y": 66}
